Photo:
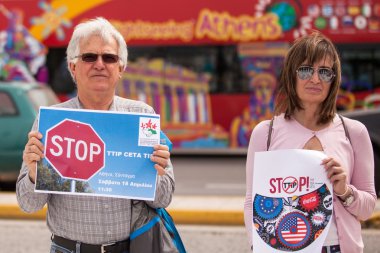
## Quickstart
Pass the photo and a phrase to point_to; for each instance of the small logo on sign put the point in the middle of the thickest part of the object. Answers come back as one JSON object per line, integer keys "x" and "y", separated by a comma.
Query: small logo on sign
{"x": 149, "y": 129}
{"x": 318, "y": 218}
{"x": 289, "y": 185}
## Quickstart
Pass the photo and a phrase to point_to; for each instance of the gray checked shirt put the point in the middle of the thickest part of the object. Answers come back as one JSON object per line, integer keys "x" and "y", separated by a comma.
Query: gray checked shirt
{"x": 91, "y": 219}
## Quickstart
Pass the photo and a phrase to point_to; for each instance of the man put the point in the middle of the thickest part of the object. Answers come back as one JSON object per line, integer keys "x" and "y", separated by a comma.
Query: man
{"x": 96, "y": 57}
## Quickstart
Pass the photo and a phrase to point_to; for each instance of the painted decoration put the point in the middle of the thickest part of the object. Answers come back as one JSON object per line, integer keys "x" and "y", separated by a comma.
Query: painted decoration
{"x": 199, "y": 22}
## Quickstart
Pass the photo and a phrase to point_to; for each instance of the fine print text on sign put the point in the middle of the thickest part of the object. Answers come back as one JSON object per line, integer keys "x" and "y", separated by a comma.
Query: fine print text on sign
{"x": 98, "y": 153}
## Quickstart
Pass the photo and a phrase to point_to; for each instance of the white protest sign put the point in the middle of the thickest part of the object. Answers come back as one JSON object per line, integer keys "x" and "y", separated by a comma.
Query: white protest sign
{"x": 292, "y": 201}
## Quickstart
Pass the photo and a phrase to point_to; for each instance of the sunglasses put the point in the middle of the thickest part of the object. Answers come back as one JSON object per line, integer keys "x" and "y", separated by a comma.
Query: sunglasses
{"x": 91, "y": 57}
{"x": 306, "y": 72}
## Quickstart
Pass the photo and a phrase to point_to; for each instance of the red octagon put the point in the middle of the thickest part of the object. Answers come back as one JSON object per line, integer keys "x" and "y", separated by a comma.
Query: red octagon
{"x": 74, "y": 149}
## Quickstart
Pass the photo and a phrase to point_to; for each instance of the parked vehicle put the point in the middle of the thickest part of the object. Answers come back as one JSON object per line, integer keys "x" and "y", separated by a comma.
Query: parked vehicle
{"x": 19, "y": 104}
{"x": 371, "y": 119}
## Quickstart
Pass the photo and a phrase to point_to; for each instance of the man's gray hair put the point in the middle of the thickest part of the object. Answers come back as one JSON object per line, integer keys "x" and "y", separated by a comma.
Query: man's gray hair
{"x": 103, "y": 28}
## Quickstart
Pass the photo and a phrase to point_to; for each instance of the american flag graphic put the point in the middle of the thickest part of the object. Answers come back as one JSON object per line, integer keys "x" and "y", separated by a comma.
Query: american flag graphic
{"x": 294, "y": 230}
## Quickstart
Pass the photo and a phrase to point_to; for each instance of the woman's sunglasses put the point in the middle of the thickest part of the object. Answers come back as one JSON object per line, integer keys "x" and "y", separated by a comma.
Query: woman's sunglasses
{"x": 91, "y": 57}
{"x": 306, "y": 72}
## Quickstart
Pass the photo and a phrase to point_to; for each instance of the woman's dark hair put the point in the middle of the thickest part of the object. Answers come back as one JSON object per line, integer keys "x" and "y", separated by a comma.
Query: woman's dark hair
{"x": 308, "y": 49}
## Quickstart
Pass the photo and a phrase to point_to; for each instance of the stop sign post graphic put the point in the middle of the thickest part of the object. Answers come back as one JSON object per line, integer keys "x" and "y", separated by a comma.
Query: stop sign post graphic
{"x": 74, "y": 150}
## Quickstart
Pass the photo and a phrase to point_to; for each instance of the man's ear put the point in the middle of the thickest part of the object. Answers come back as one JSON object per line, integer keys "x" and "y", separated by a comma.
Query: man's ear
{"x": 72, "y": 67}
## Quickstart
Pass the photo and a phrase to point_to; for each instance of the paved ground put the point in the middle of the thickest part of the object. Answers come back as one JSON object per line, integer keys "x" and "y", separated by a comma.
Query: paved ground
{"x": 207, "y": 210}
{"x": 20, "y": 236}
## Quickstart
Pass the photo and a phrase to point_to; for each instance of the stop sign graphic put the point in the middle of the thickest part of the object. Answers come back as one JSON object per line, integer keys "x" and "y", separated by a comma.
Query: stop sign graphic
{"x": 74, "y": 149}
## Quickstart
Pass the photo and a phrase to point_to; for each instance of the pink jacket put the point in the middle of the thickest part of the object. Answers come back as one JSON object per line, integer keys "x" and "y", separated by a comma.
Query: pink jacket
{"x": 356, "y": 157}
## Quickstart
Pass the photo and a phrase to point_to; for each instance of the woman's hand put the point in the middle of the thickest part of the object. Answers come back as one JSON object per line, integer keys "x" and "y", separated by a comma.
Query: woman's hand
{"x": 161, "y": 157}
{"x": 33, "y": 152}
{"x": 337, "y": 175}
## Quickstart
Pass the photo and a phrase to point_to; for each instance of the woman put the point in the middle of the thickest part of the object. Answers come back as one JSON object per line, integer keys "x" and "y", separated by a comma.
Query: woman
{"x": 306, "y": 119}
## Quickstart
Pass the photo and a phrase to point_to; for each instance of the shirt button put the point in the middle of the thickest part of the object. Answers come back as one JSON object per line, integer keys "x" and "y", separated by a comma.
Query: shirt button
{"x": 108, "y": 232}
{"x": 106, "y": 206}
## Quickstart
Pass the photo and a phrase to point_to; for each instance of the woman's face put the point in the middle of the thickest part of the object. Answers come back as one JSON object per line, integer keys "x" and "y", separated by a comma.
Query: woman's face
{"x": 313, "y": 84}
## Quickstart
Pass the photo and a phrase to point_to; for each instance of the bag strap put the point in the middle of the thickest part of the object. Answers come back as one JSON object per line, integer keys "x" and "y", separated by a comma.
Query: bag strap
{"x": 270, "y": 133}
{"x": 170, "y": 226}
{"x": 345, "y": 128}
{"x": 144, "y": 228}
{"x": 271, "y": 130}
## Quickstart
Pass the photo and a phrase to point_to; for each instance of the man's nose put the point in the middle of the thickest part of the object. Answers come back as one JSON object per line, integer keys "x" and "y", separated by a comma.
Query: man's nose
{"x": 99, "y": 63}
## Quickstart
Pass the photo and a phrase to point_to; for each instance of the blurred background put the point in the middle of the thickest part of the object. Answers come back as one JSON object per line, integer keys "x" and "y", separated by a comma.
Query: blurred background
{"x": 209, "y": 68}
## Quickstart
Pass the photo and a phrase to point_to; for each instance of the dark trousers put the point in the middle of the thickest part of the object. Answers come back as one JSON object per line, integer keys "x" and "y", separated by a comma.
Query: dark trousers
{"x": 331, "y": 249}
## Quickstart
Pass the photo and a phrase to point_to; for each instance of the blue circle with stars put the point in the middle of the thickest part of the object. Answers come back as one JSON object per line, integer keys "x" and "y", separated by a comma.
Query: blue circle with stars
{"x": 267, "y": 208}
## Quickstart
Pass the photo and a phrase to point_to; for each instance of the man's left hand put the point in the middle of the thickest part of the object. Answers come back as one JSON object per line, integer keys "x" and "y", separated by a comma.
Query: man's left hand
{"x": 160, "y": 157}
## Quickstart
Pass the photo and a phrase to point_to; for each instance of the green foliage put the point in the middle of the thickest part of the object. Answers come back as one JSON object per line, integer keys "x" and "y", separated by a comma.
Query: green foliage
{"x": 48, "y": 179}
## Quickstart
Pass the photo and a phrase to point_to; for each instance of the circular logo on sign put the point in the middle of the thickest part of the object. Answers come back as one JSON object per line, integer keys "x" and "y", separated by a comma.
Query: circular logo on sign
{"x": 310, "y": 201}
{"x": 293, "y": 231}
{"x": 289, "y": 185}
{"x": 267, "y": 208}
{"x": 327, "y": 202}
{"x": 318, "y": 218}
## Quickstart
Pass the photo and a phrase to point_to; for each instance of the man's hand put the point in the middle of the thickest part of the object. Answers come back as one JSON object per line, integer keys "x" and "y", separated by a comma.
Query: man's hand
{"x": 161, "y": 157}
{"x": 33, "y": 152}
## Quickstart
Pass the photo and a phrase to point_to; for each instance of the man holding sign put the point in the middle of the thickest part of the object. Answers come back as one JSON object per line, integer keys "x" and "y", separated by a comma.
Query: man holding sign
{"x": 96, "y": 57}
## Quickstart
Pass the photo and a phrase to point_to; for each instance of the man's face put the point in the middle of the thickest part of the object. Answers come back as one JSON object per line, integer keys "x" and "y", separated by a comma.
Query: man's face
{"x": 96, "y": 80}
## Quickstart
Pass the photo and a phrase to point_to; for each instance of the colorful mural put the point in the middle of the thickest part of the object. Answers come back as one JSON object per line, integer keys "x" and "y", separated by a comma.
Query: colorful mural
{"x": 199, "y": 22}
{"x": 21, "y": 55}
{"x": 262, "y": 30}
{"x": 261, "y": 61}
{"x": 180, "y": 96}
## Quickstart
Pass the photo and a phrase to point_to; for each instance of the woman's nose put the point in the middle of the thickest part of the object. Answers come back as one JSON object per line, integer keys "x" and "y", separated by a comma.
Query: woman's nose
{"x": 315, "y": 76}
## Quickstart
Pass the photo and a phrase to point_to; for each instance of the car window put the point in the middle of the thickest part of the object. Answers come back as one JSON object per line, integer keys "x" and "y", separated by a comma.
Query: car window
{"x": 7, "y": 106}
{"x": 42, "y": 97}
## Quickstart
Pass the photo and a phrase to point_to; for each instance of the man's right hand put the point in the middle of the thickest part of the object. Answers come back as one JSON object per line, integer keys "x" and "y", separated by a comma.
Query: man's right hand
{"x": 33, "y": 152}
